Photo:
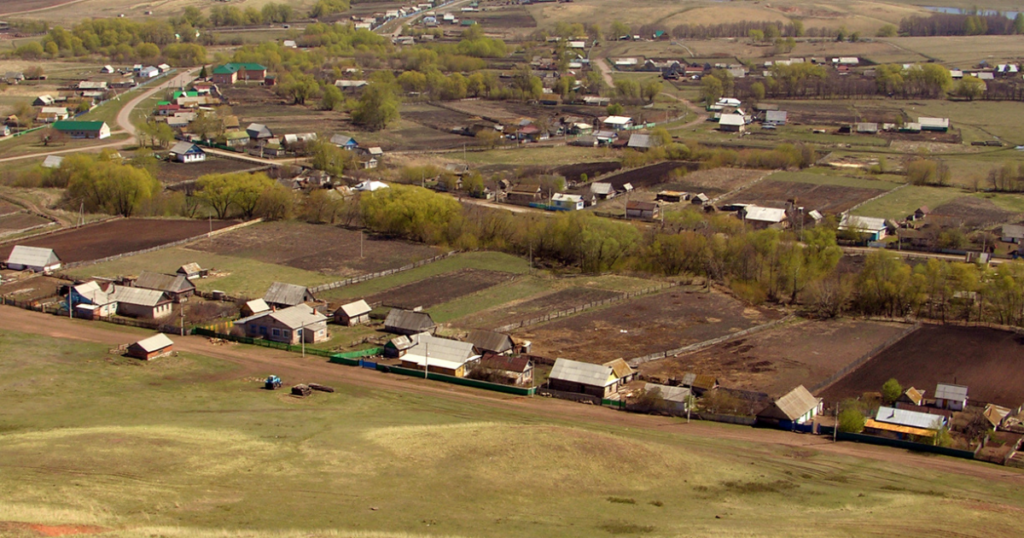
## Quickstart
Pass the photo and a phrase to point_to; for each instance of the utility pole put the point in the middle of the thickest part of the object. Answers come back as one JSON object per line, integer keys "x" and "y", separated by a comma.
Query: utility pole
{"x": 183, "y": 319}
{"x": 835, "y": 428}
{"x": 426, "y": 361}
{"x": 360, "y": 243}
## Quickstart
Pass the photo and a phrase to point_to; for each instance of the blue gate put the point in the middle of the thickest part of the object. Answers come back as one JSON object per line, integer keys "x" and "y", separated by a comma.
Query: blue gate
{"x": 367, "y": 364}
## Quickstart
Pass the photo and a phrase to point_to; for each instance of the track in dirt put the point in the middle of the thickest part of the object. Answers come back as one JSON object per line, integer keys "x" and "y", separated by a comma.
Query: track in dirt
{"x": 118, "y": 236}
{"x": 256, "y": 361}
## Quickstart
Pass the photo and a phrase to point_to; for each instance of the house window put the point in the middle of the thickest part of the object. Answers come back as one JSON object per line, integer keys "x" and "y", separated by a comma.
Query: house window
{"x": 286, "y": 332}
{"x": 277, "y": 332}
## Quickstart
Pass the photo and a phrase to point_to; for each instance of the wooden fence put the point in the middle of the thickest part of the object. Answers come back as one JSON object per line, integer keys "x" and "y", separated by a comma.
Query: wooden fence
{"x": 371, "y": 276}
{"x": 577, "y": 309}
{"x": 863, "y": 359}
{"x": 707, "y": 343}
{"x": 206, "y": 235}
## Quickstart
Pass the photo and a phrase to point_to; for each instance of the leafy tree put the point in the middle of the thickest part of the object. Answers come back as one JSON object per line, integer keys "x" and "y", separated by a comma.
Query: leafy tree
{"x": 627, "y": 88}
{"x": 620, "y": 29}
{"x": 711, "y": 89}
{"x": 222, "y": 192}
{"x": 331, "y": 98}
{"x": 650, "y": 90}
{"x": 320, "y": 207}
{"x": 322, "y": 8}
{"x": 330, "y": 158}
{"x": 377, "y": 107}
{"x": 107, "y": 186}
{"x": 757, "y": 91}
{"x": 756, "y": 35}
{"x": 891, "y": 390}
{"x": 614, "y": 109}
{"x": 887, "y": 30}
{"x": 851, "y": 421}
{"x": 970, "y": 88}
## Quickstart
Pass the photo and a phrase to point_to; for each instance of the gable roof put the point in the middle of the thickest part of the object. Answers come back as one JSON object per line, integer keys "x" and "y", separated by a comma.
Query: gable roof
{"x": 490, "y": 341}
{"x": 286, "y": 294}
{"x": 297, "y": 316}
{"x": 162, "y": 282}
{"x": 1009, "y": 230}
{"x": 139, "y": 296}
{"x": 867, "y": 224}
{"x": 775, "y": 116}
{"x": 508, "y": 363}
{"x": 948, "y": 391}
{"x": 700, "y": 381}
{"x": 53, "y": 161}
{"x": 637, "y": 140}
{"x": 617, "y": 120}
{"x": 437, "y": 351}
{"x": 620, "y": 368}
{"x": 343, "y": 140}
{"x": 181, "y": 148}
{"x": 258, "y": 130}
{"x": 407, "y": 320}
{"x": 914, "y": 395}
{"x": 584, "y": 373}
{"x": 912, "y": 419}
{"x": 32, "y": 256}
{"x": 357, "y": 308}
{"x": 257, "y": 306}
{"x": 602, "y": 188}
{"x": 154, "y": 343}
{"x": 732, "y": 119}
{"x": 73, "y": 125}
{"x": 94, "y": 293}
{"x": 764, "y": 214}
{"x": 190, "y": 268}
{"x": 669, "y": 393}
{"x": 641, "y": 206}
{"x": 795, "y": 404}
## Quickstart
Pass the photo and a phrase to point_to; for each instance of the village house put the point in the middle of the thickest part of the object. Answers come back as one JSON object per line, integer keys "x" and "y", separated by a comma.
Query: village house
{"x": 351, "y": 314}
{"x": 408, "y": 322}
{"x": 491, "y": 342}
{"x": 524, "y": 193}
{"x": 871, "y": 228}
{"x": 567, "y": 202}
{"x": 396, "y": 347}
{"x": 142, "y": 303}
{"x": 617, "y": 123}
{"x": 253, "y": 307}
{"x": 83, "y": 129}
{"x": 761, "y": 218}
{"x": 178, "y": 288}
{"x": 292, "y": 325}
{"x": 939, "y": 125}
{"x": 150, "y": 348}
{"x": 733, "y": 123}
{"x": 510, "y": 369}
{"x": 675, "y": 400}
{"x": 283, "y": 295}
{"x": 641, "y": 210}
{"x": 91, "y": 300}
{"x": 439, "y": 355}
{"x": 1012, "y": 233}
{"x": 798, "y": 406}
{"x": 775, "y": 117}
{"x": 344, "y": 142}
{"x": 584, "y": 378}
{"x": 187, "y": 152}
{"x": 236, "y": 139}
{"x": 258, "y": 131}
{"x": 35, "y": 259}
{"x": 50, "y": 114}
{"x": 43, "y": 100}
{"x": 640, "y": 142}
{"x": 622, "y": 371}
{"x": 949, "y": 396}
{"x": 232, "y": 72}
{"x": 602, "y": 191}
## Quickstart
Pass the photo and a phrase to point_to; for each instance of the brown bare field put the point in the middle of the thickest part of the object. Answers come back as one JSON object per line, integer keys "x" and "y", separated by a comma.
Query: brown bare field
{"x": 573, "y": 172}
{"x": 20, "y": 221}
{"x": 321, "y": 248}
{"x": 776, "y": 360}
{"x": 989, "y": 362}
{"x": 174, "y": 172}
{"x": 254, "y": 103}
{"x": 118, "y": 237}
{"x": 434, "y": 117}
{"x": 538, "y": 306}
{"x": 826, "y": 113}
{"x": 505, "y": 18}
{"x": 7, "y": 207}
{"x": 973, "y": 212}
{"x": 440, "y": 289}
{"x": 825, "y": 198}
{"x": 645, "y": 325}
{"x": 32, "y": 289}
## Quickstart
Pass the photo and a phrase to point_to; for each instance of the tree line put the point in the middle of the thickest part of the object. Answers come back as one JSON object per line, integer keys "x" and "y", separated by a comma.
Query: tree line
{"x": 973, "y": 22}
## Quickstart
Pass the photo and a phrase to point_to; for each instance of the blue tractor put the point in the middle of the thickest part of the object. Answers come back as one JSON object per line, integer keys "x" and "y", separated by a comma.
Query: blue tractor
{"x": 273, "y": 383}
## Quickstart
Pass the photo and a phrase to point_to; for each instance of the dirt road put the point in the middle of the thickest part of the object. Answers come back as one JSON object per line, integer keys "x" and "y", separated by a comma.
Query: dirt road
{"x": 609, "y": 80}
{"x": 257, "y": 362}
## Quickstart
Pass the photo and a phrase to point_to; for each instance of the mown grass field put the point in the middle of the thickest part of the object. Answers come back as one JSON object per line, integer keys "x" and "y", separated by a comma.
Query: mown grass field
{"x": 182, "y": 446}
{"x": 899, "y": 204}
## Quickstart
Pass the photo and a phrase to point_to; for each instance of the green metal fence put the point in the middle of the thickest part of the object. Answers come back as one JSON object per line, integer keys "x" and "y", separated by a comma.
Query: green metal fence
{"x": 352, "y": 357}
{"x": 475, "y": 383}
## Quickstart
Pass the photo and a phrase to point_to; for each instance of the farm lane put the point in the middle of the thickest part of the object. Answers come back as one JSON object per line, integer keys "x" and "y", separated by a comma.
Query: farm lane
{"x": 258, "y": 362}
{"x": 606, "y": 74}
{"x": 911, "y": 254}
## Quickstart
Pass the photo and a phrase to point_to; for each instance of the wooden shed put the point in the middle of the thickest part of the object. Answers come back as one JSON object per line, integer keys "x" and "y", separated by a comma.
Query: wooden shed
{"x": 353, "y": 313}
{"x": 151, "y": 348}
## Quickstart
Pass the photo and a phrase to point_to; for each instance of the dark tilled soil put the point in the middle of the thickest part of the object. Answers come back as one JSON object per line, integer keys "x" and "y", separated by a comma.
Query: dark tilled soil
{"x": 533, "y": 308}
{"x": 440, "y": 289}
{"x": 825, "y": 198}
{"x": 20, "y": 221}
{"x": 118, "y": 237}
{"x": 974, "y": 212}
{"x": 175, "y": 172}
{"x": 989, "y": 362}
{"x": 322, "y": 248}
{"x": 572, "y": 172}
{"x": 646, "y": 325}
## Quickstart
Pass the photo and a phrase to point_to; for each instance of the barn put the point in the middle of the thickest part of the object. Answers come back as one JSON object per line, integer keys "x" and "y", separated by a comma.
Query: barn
{"x": 353, "y": 313}
{"x": 35, "y": 259}
{"x": 408, "y": 322}
{"x": 151, "y": 348}
{"x": 583, "y": 377}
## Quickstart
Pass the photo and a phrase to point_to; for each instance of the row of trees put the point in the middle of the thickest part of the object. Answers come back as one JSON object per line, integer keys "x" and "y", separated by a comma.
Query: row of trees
{"x": 121, "y": 40}
{"x": 973, "y": 22}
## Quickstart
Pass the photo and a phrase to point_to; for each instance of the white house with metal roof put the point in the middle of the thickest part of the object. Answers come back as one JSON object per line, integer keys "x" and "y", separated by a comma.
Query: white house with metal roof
{"x": 291, "y": 325}
{"x": 874, "y": 228}
{"x": 35, "y": 259}
{"x": 763, "y": 217}
{"x": 584, "y": 378}
{"x": 949, "y": 396}
{"x": 439, "y": 355}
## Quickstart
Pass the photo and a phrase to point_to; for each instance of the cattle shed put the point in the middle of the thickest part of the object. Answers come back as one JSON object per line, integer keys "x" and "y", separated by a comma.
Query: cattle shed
{"x": 151, "y": 348}
{"x": 353, "y": 313}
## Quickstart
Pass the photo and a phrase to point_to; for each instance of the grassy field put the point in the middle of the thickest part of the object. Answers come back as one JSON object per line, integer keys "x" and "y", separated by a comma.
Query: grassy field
{"x": 826, "y": 178}
{"x": 551, "y": 156}
{"x": 899, "y": 204}
{"x": 240, "y": 276}
{"x": 188, "y": 446}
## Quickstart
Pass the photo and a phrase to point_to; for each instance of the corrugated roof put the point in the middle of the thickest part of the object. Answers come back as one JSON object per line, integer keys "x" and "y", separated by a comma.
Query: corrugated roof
{"x": 669, "y": 393}
{"x": 995, "y": 414}
{"x": 602, "y": 188}
{"x": 52, "y": 161}
{"x": 257, "y": 306}
{"x": 357, "y": 308}
{"x": 903, "y": 417}
{"x": 154, "y": 343}
{"x": 94, "y": 293}
{"x": 584, "y": 373}
{"x": 797, "y": 403}
{"x": 139, "y": 296}
{"x": 182, "y": 148}
{"x": 32, "y": 256}
{"x": 439, "y": 351}
{"x": 286, "y": 294}
{"x": 941, "y": 123}
{"x": 72, "y": 125}
{"x": 637, "y": 140}
{"x": 620, "y": 368}
{"x": 162, "y": 282}
{"x": 641, "y": 206}
{"x": 948, "y": 391}
{"x": 866, "y": 224}
{"x": 508, "y": 363}
{"x": 1009, "y": 230}
{"x": 914, "y": 395}
{"x": 875, "y": 425}
{"x": 490, "y": 341}
{"x": 298, "y": 316}
{"x": 764, "y": 214}
{"x": 775, "y": 116}
{"x": 408, "y": 321}
{"x": 732, "y": 119}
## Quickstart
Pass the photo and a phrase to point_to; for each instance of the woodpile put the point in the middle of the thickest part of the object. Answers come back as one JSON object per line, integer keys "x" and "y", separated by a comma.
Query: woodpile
{"x": 321, "y": 388}
{"x": 301, "y": 390}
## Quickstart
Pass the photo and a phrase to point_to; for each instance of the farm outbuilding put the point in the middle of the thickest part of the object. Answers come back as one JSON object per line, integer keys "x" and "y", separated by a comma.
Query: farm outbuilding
{"x": 675, "y": 399}
{"x": 396, "y": 347}
{"x": 142, "y": 303}
{"x": 601, "y": 190}
{"x": 618, "y": 123}
{"x": 353, "y": 313}
{"x": 875, "y": 229}
{"x": 284, "y": 295}
{"x": 510, "y": 369}
{"x": 732, "y": 123}
{"x": 83, "y": 129}
{"x": 491, "y": 342}
{"x": 52, "y": 161}
{"x": 949, "y": 396}
{"x": 798, "y": 406}
{"x": 940, "y": 125}
{"x": 763, "y": 217}
{"x": 191, "y": 270}
{"x": 641, "y": 210}
{"x": 150, "y": 348}
{"x": 35, "y": 259}
{"x": 255, "y": 306}
{"x": 408, "y": 322}
{"x": 911, "y": 396}
{"x": 583, "y": 377}
{"x": 699, "y": 383}
{"x": 176, "y": 287}
{"x": 775, "y": 117}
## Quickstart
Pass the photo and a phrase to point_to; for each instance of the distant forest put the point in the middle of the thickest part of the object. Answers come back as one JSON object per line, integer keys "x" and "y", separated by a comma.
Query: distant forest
{"x": 975, "y": 23}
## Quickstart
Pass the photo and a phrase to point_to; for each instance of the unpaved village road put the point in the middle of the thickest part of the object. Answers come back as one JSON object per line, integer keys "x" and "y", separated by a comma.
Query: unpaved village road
{"x": 258, "y": 362}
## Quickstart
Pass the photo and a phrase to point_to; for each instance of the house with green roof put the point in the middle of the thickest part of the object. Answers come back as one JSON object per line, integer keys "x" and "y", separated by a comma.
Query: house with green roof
{"x": 236, "y": 139}
{"x": 83, "y": 129}
{"x": 233, "y": 72}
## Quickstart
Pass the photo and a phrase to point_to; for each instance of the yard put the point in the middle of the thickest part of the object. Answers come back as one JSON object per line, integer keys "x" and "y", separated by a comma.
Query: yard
{"x": 171, "y": 172}
{"x": 645, "y": 325}
{"x": 776, "y": 360}
{"x": 189, "y": 445}
{"x": 988, "y": 361}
